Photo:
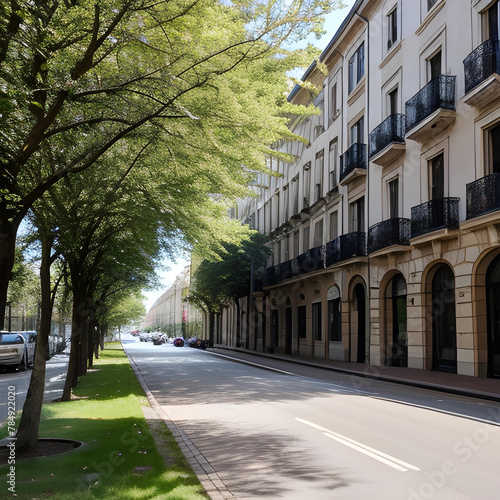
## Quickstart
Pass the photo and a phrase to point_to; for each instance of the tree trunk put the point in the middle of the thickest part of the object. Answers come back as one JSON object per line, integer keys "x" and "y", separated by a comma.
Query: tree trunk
{"x": 27, "y": 434}
{"x": 8, "y": 233}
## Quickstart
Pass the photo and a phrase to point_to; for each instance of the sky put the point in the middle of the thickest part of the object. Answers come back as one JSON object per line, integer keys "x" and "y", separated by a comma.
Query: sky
{"x": 167, "y": 277}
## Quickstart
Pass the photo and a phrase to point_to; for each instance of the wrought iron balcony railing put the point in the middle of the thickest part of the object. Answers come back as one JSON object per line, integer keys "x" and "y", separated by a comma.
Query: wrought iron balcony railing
{"x": 433, "y": 215}
{"x": 354, "y": 157}
{"x": 389, "y": 232}
{"x": 483, "y": 196}
{"x": 352, "y": 245}
{"x": 392, "y": 129}
{"x": 438, "y": 93}
{"x": 481, "y": 64}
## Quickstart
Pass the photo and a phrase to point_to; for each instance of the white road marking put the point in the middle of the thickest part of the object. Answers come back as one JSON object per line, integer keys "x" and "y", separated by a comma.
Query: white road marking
{"x": 362, "y": 448}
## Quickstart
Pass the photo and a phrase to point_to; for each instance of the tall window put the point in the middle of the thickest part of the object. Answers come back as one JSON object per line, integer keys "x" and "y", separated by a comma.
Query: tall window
{"x": 318, "y": 174}
{"x": 436, "y": 166}
{"x": 493, "y": 150}
{"x": 305, "y": 239}
{"x": 392, "y": 27}
{"x": 332, "y": 164}
{"x": 295, "y": 195}
{"x": 393, "y": 198}
{"x": 301, "y": 321}
{"x": 296, "y": 249}
{"x": 318, "y": 233}
{"x": 356, "y": 135}
{"x": 333, "y": 102}
{"x": 307, "y": 184}
{"x": 357, "y": 215}
{"x": 356, "y": 67}
{"x": 316, "y": 320}
{"x": 334, "y": 225}
{"x": 434, "y": 66}
{"x": 493, "y": 21}
{"x": 393, "y": 99}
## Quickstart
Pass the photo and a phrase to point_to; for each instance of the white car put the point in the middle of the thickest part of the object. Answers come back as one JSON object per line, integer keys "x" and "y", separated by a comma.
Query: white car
{"x": 17, "y": 349}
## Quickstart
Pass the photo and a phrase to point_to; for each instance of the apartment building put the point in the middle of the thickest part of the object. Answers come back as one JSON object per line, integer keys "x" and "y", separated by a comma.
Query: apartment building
{"x": 385, "y": 227}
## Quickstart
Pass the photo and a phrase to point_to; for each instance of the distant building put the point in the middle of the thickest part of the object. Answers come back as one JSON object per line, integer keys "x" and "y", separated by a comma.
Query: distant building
{"x": 386, "y": 225}
{"x": 173, "y": 314}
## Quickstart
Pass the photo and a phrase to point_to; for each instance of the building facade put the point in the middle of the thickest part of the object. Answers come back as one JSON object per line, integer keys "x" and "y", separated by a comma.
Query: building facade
{"x": 385, "y": 227}
{"x": 173, "y": 314}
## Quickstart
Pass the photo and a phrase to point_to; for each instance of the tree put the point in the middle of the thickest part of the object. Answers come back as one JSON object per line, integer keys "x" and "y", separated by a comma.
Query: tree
{"x": 125, "y": 310}
{"x": 79, "y": 77}
{"x": 218, "y": 283}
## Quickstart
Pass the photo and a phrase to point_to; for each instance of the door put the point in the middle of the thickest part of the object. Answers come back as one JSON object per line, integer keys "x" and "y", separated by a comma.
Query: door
{"x": 288, "y": 330}
{"x": 360, "y": 304}
{"x": 274, "y": 330}
{"x": 444, "y": 336}
{"x": 493, "y": 311}
{"x": 396, "y": 323}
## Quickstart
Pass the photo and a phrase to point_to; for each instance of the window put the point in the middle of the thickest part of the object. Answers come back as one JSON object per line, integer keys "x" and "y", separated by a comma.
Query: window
{"x": 356, "y": 135}
{"x": 436, "y": 166}
{"x": 430, "y": 4}
{"x": 295, "y": 195}
{"x": 493, "y": 21}
{"x": 392, "y": 97}
{"x": 318, "y": 233}
{"x": 434, "y": 66}
{"x": 305, "y": 239}
{"x": 296, "y": 249}
{"x": 393, "y": 198}
{"x": 332, "y": 164}
{"x": 301, "y": 320}
{"x": 318, "y": 175}
{"x": 316, "y": 320}
{"x": 356, "y": 67}
{"x": 392, "y": 27}
{"x": 334, "y": 323}
{"x": 334, "y": 225}
{"x": 333, "y": 102}
{"x": 357, "y": 215}
{"x": 307, "y": 183}
{"x": 493, "y": 150}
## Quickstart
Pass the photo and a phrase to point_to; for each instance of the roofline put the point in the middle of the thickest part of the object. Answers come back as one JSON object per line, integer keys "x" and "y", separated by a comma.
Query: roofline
{"x": 328, "y": 48}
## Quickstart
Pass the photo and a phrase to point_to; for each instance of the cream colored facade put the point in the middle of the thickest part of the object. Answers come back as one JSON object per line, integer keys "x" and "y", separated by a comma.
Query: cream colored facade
{"x": 386, "y": 227}
{"x": 172, "y": 313}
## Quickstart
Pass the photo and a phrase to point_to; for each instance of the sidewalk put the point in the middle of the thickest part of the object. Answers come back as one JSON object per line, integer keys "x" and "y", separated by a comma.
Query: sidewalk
{"x": 484, "y": 388}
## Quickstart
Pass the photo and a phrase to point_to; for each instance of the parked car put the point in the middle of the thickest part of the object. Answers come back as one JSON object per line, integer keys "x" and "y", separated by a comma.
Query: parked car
{"x": 17, "y": 349}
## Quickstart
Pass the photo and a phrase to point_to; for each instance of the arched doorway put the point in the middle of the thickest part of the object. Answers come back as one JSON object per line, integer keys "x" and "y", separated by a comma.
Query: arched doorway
{"x": 358, "y": 323}
{"x": 396, "y": 319}
{"x": 444, "y": 331}
{"x": 493, "y": 312}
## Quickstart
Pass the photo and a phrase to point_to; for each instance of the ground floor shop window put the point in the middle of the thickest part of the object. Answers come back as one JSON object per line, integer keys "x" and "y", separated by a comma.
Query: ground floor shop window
{"x": 493, "y": 308}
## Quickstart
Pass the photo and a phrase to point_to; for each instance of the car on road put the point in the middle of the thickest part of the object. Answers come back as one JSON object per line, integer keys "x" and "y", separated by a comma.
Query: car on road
{"x": 17, "y": 349}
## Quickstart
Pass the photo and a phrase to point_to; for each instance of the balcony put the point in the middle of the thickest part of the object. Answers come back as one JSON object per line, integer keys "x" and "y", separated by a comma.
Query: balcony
{"x": 353, "y": 163}
{"x": 309, "y": 261}
{"x": 483, "y": 196}
{"x": 434, "y": 215}
{"x": 352, "y": 245}
{"x": 389, "y": 233}
{"x": 431, "y": 110}
{"x": 482, "y": 81}
{"x": 387, "y": 140}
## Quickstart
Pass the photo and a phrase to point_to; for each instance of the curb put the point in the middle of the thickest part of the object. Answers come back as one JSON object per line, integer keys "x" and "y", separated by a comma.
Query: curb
{"x": 366, "y": 374}
{"x": 208, "y": 477}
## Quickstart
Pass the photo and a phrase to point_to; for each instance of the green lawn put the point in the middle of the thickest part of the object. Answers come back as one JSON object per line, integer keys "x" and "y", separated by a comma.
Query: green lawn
{"x": 119, "y": 458}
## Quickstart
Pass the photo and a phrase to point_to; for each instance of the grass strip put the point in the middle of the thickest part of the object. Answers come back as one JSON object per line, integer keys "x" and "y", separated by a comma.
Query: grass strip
{"x": 119, "y": 458}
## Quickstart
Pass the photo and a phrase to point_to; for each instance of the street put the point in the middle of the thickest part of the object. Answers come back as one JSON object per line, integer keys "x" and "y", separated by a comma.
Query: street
{"x": 323, "y": 435}
{"x": 55, "y": 376}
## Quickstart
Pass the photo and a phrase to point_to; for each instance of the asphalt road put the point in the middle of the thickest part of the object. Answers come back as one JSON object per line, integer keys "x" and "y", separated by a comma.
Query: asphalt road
{"x": 271, "y": 434}
{"x": 55, "y": 376}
